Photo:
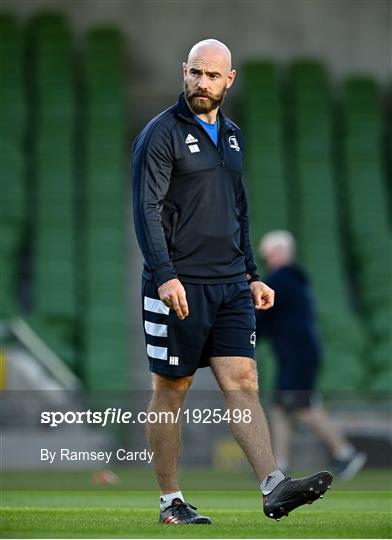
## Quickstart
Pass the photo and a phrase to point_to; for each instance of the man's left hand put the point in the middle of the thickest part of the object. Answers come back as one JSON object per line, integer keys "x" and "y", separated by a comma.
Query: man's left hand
{"x": 263, "y": 296}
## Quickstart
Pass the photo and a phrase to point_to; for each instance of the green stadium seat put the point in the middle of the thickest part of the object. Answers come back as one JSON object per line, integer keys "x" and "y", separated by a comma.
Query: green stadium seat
{"x": 54, "y": 265}
{"x": 105, "y": 251}
{"x": 366, "y": 210}
{"x": 317, "y": 223}
{"x": 12, "y": 134}
{"x": 265, "y": 174}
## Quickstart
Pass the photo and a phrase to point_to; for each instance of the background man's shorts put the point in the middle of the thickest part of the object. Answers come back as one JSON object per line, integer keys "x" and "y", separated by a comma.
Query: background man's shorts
{"x": 221, "y": 322}
{"x": 293, "y": 400}
{"x": 296, "y": 378}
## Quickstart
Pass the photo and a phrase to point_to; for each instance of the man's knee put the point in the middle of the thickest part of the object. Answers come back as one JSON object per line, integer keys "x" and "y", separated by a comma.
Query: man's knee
{"x": 243, "y": 377}
{"x": 164, "y": 382}
{"x": 249, "y": 380}
{"x": 168, "y": 392}
{"x": 305, "y": 415}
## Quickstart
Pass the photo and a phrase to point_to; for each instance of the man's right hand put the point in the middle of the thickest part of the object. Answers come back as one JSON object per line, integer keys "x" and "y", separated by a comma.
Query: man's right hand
{"x": 173, "y": 295}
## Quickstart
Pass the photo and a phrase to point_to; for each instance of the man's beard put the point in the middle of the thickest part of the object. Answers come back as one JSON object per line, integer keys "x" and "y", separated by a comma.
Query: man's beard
{"x": 203, "y": 106}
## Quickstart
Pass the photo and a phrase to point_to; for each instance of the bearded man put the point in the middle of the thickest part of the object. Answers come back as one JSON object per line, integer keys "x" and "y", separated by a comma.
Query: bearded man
{"x": 200, "y": 283}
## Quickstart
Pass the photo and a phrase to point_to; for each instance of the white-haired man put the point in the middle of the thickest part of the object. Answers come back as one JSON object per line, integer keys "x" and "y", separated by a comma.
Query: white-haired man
{"x": 291, "y": 327}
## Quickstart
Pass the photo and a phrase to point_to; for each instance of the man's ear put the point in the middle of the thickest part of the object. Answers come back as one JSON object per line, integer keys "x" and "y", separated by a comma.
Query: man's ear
{"x": 231, "y": 77}
{"x": 184, "y": 69}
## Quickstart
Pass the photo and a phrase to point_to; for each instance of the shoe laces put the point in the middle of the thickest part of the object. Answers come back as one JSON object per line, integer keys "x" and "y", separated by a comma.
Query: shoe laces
{"x": 183, "y": 509}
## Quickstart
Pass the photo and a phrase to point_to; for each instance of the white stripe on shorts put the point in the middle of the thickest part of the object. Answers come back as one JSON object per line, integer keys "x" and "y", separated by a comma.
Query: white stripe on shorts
{"x": 155, "y": 305}
{"x": 157, "y": 352}
{"x": 158, "y": 330}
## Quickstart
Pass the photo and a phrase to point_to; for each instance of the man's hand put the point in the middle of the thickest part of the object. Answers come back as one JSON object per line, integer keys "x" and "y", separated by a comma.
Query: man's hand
{"x": 173, "y": 295}
{"x": 263, "y": 296}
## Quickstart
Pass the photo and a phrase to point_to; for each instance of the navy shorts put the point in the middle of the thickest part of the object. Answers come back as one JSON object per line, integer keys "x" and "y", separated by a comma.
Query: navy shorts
{"x": 292, "y": 400}
{"x": 296, "y": 377}
{"x": 221, "y": 322}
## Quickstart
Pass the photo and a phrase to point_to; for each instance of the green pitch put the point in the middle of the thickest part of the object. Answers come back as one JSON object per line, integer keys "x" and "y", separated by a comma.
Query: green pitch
{"x": 117, "y": 514}
{"x": 68, "y": 505}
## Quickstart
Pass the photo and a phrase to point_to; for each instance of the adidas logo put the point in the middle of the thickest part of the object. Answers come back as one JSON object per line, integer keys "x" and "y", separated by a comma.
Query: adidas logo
{"x": 190, "y": 139}
{"x": 268, "y": 480}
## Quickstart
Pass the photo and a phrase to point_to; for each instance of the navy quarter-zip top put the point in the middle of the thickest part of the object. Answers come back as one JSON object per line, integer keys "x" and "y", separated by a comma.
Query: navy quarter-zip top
{"x": 189, "y": 202}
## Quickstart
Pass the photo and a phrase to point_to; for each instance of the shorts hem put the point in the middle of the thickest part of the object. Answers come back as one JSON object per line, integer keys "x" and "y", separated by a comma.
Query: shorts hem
{"x": 294, "y": 400}
{"x": 247, "y": 353}
{"x": 171, "y": 373}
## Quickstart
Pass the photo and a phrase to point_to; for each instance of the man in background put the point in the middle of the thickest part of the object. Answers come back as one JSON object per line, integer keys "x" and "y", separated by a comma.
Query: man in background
{"x": 291, "y": 328}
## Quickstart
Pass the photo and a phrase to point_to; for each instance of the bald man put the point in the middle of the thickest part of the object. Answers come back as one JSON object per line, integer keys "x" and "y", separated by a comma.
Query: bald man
{"x": 200, "y": 283}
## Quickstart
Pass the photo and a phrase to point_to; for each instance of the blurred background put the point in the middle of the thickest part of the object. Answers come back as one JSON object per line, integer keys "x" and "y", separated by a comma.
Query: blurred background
{"x": 78, "y": 80}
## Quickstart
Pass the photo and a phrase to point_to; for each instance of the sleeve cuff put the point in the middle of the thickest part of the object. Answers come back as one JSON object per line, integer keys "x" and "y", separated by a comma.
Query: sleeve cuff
{"x": 253, "y": 277}
{"x": 163, "y": 275}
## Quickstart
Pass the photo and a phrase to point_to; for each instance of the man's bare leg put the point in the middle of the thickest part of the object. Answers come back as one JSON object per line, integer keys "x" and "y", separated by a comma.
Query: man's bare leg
{"x": 164, "y": 438}
{"x": 282, "y": 431}
{"x": 237, "y": 378}
{"x": 318, "y": 419}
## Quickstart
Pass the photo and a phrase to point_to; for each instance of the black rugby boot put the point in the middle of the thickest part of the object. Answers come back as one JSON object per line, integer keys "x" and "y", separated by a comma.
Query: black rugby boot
{"x": 291, "y": 493}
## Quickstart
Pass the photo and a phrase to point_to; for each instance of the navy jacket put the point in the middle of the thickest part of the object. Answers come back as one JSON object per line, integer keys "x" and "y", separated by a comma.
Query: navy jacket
{"x": 291, "y": 323}
{"x": 189, "y": 203}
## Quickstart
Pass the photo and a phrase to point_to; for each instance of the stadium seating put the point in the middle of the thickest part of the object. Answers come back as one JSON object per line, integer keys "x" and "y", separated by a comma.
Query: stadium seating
{"x": 53, "y": 164}
{"x": 64, "y": 171}
{"x": 104, "y": 220}
{"x": 366, "y": 214}
{"x": 263, "y": 123}
{"x": 12, "y": 130}
{"x": 268, "y": 194}
{"x": 316, "y": 221}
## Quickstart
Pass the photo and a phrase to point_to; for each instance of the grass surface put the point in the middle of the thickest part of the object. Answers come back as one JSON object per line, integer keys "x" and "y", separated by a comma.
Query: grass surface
{"x": 142, "y": 479}
{"x": 117, "y": 514}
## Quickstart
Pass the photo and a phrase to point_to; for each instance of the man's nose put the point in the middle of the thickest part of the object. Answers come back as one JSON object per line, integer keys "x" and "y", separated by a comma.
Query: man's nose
{"x": 202, "y": 82}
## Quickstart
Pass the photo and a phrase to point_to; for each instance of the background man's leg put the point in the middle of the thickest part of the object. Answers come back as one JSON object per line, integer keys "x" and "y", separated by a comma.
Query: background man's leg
{"x": 282, "y": 431}
{"x": 237, "y": 378}
{"x": 164, "y": 438}
{"x": 318, "y": 419}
